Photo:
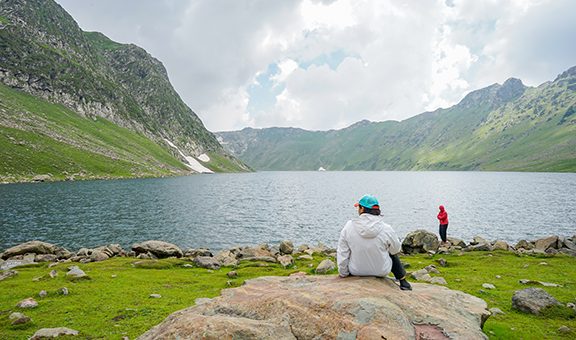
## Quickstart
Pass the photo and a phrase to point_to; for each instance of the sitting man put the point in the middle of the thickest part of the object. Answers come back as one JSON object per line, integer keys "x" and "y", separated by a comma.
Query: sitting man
{"x": 368, "y": 246}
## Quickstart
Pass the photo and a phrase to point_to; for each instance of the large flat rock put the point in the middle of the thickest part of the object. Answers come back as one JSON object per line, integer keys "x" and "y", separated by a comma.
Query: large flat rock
{"x": 328, "y": 307}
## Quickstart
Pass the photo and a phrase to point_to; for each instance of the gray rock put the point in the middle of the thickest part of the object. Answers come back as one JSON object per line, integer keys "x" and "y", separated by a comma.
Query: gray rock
{"x": 35, "y": 247}
{"x": 568, "y": 251}
{"x": 442, "y": 262}
{"x": 569, "y": 244}
{"x": 541, "y": 283}
{"x": 325, "y": 266}
{"x": 431, "y": 269}
{"x": 18, "y": 319}
{"x": 27, "y": 303}
{"x": 76, "y": 273}
{"x": 523, "y": 244}
{"x": 155, "y": 296}
{"x": 249, "y": 253}
{"x": 41, "y": 178}
{"x": 43, "y": 293}
{"x": 207, "y": 262}
{"x": 285, "y": 260}
{"x": 63, "y": 291}
{"x": 305, "y": 257}
{"x": 496, "y": 311}
{"x": 456, "y": 242}
{"x": 45, "y": 258}
{"x": 302, "y": 248}
{"x": 500, "y": 245}
{"x": 546, "y": 243}
{"x": 99, "y": 255}
{"x": 226, "y": 258}
{"x": 15, "y": 262}
{"x": 438, "y": 280}
{"x": 532, "y": 300}
{"x": 420, "y": 241}
{"x": 198, "y": 252}
{"x": 260, "y": 258}
{"x": 480, "y": 247}
{"x": 84, "y": 252}
{"x": 160, "y": 249}
{"x": 571, "y": 305}
{"x": 286, "y": 247}
{"x": 6, "y": 274}
{"x": 564, "y": 329}
{"x": 53, "y": 333}
{"x": 488, "y": 286}
{"x": 478, "y": 240}
{"x": 53, "y": 273}
{"x": 232, "y": 274}
{"x": 421, "y": 275}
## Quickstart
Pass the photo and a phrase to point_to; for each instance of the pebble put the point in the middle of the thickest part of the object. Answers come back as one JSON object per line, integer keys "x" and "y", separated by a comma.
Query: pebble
{"x": 53, "y": 273}
{"x": 63, "y": 291}
{"x": 564, "y": 329}
{"x": 42, "y": 293}
{"x": 232, "y": 274}
{"x": 498, "y": 276}
{"x": 496, "y": 311}
{"x": 114, "y": 276}
{"x": 187, "y": 265}
{"x": 18, "y": 318}
{"x": 155, "y": 296}
{"x": 543, "y": 263}
{"x": 488, "y": 286}
{"x": 27, "y": 303}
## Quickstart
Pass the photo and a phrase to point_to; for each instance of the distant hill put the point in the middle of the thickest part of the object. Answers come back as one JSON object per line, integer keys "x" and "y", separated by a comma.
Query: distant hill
{"x": 508, "y": 127}
{"x": 44, "y": 53}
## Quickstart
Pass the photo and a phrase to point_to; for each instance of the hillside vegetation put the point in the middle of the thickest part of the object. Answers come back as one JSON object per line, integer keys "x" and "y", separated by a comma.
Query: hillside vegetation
{"x": 506, "y": 127}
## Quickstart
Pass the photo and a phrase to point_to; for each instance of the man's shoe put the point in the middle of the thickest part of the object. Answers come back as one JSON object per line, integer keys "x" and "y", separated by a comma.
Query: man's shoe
{"x": 405, "y": 285}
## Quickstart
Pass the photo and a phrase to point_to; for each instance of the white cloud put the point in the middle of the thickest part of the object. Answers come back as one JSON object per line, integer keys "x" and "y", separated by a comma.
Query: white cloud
{"x": 395, "y": 58}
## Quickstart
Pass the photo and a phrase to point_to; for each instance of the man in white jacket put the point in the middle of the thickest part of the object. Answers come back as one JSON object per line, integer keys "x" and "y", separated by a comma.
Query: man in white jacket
{"x": 368, "y": 246}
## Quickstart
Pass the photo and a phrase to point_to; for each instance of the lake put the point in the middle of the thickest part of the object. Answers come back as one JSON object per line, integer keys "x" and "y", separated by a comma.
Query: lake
{"x": 224, "y": 210}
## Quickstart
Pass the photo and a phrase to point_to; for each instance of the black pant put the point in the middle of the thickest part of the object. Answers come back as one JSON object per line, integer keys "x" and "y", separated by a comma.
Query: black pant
{"x": 443, "y": 228}
{"x": 397, "y": 267}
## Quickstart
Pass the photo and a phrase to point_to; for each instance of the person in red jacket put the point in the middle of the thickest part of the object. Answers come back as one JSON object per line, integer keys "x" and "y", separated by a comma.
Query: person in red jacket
{"x": 443, "y": 218}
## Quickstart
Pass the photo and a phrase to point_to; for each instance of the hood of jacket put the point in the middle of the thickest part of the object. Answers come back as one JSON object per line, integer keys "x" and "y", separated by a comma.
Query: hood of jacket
{"x": 368, "y": 226}
{"x": 441, "y": 208}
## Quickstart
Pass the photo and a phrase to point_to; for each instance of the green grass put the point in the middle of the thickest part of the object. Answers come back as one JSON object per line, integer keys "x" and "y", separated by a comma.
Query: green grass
{"x": 37, "y": 137}
{"x": 116, "y": 303}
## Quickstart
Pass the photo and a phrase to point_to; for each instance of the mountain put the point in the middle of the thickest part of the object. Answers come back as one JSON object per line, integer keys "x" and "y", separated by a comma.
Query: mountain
{"x": 44, "y": 53}
{"x": 508, "y": 127}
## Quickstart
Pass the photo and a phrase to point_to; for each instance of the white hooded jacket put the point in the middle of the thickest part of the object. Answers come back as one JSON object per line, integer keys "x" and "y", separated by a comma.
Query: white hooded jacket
{"x": 365, "y": 245}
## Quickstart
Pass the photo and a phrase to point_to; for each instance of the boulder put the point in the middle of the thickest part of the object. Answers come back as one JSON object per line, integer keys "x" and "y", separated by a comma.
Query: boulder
{"x": 18, "y": 318}
{"x": 27, "y": 303}
{"x": 327, "y": 307}
{"x": 45, "y": 258}
{"x": 420, "y": 241}
{"x": 305, "y": 257}
{"x": 160, "y": 249}
{"x": 100, "y": 255}
{"x": 286, "y": 247}
{"x": 456, "y": 242}
{"x": 6, "y": 274}
{"x": 439, "y": 280}
{"x": 546, "y": 243}
{"x": 285, "y": 260}
{"x": 523, "y": 244}
{"x": 76, "y": 273}
{"x": 421, "y": 275}
{"x": 532, "y": 300}
{"x": 207, "y": 262}
{"x": 478, "y": 240}
{"x": 569, "y": 244}
{"x": 325, "y": 266}
{"x": 44, "y": 333}
{"x": 226, "y": 258}
{"x": 568, "y": 252}
{"x": 198, "y": 252}
{"x": 261, "y": 258}
{"x": 500, "y": 245}
{"x": 35, "y": 247}
{"x": 248, "y": 253}
{"x": 479, "y": 247}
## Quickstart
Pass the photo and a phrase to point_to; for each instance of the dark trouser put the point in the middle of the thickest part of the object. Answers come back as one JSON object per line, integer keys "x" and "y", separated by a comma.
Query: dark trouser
{"x": 397, "y": 267}
{"x": 443, "y": 228}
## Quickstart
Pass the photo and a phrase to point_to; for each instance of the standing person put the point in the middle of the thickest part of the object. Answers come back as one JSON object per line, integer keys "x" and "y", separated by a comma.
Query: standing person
{"x": 368, "y": 246}
{"x": 443, "y": 218}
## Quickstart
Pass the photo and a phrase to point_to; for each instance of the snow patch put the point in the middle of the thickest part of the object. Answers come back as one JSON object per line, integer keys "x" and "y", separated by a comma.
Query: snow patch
{"x": 192, "y": 163}
{"x": 204, "y": 158}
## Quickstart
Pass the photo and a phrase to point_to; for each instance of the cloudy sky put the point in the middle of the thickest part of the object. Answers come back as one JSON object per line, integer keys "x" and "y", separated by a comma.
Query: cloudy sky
{"x": 324, "y": 64}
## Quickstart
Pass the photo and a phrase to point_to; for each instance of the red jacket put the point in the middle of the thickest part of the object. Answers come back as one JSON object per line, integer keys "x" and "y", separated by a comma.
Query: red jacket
{"x": 443, "y": 215}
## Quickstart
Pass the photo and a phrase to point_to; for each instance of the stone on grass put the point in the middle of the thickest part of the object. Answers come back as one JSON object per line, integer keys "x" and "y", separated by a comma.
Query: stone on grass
{"x": 7, "y": 274}
{"x": 285, "y": 260}
{"x": 532, "y": 300}
{"x": 524, "y": 245}
{"x": 63, "y": 291}
{"x": 226, "y": 258}
{"x": 43, "y": 293}
{"x": 480, "y": 247}
{"x": 500, "y": 245}
{"x": 420, "y": 241}
{"x": 431, "y": 269}
{"x": 488, "y": 286}
{"x": 325, "y": 266}
{"x": 35, "y": 247}
{"x": 45, "y": 258}
{"x": 326, "y": 307}
{"x": 155, "y": 296}
{"x": 478, "y": 240}
{"x": 76, "y": 273}
{"x": 541, "y": 283}
{"x": 198, "y": 252}
{"x": 564, "y": 329}
{"x": 53, "y": 333}
{"x": 286, "y": 247}
{"x": 98, "y": 256}
{"x": 27, "y": 303}
{"x": 496, "y": 311}
{"x": 53, "y": 273}
{"x": 456, "y": 242}
{"x": 305, "y": 257}
{"x": 207, "y": 262}
{"x": 160, "y": 249}
{"x": 18, "y": 318}
{"x": 546, "y": 243}
{"x": 442, "y": 262}
{"x": 232, "y": 274}
{"x": 439, "y": 280}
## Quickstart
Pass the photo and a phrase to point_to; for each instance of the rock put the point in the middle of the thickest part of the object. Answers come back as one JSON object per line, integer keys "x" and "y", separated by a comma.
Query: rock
{"x": 261, "y": 258}
{"x": 478, "y": 240}
{"x": 286, "y": 247}
{"x": 35, "y": 247}
{"x": 76, "y": 273}
{"x": 439, "y": 280}
{"x": 302, "y": 248}
{"x": 421, "y": 275}
{"x": 523, "y": 244}
{"x": 99, "y": 255}
{"x": 498, "y": 276}
{"x": 160, "y": 249}
{"x": 496, "y": 311}
{"x": 27, "y": 303}
{"x": 53, "y": 274}
{"x": 116, "y": 249}
{"x": 564, "y": 329}
{"x": 325, "y": 266}
{"x": 551, "y": 251}
{"x": 488, "y": 286}
{"x": 232, "y": 274}
{"x": 207, "y": 262}
{"x": 41, "y": 178}
{"x": 569, "y": 244}
{"x": 500, "y": 245}
{"x": 43, "y": 293}
{"x": 63, "y": 291}
{"x": 326, "y": 307}
{"x": 45, "y": 258}
{"x": 198, "y": 252}
{"x": 18, "y": 319}
{"x": 442, "y": 262}
{"x": 480, "y": 247}
{"x": 285, "y": 260}
{"x": 83, "y": 252}
{"x": 420, "y": 241}
{"x": 567, "y": 252}
{"x": 6, "y": 274}
{"x": 226, "y": 259}
{"x": 532, "y": 282}
{"x": 305, "y": 257}
{"x": 53, "y": 333}
{"x": 571, "y": 305}
{"x": 543, "y": 263}
{"x": 17, "y": 261}
{"x": 456, "y": 242}
{"x": 546, "y": 243}
{"x": 155, "y": 296}
{"x": 187, "y": 265}
{"x": 532, "y": 300}
{"x": 249, "y": 253}
{"x": 432, "y": 269}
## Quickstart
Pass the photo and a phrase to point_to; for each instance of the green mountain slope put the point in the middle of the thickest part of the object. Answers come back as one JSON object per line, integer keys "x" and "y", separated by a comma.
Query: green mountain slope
{"x": 501, "y": 127}
{"x": 43, "y": 52}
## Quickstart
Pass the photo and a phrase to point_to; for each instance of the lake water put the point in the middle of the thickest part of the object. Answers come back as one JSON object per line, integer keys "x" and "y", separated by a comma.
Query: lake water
{"x": 224, "y": 210}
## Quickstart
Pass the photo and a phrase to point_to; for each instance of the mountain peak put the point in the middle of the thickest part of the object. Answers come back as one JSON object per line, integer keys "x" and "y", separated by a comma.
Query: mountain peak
{"x": 495, "y": 94}
{"x": 569, "y": 73}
